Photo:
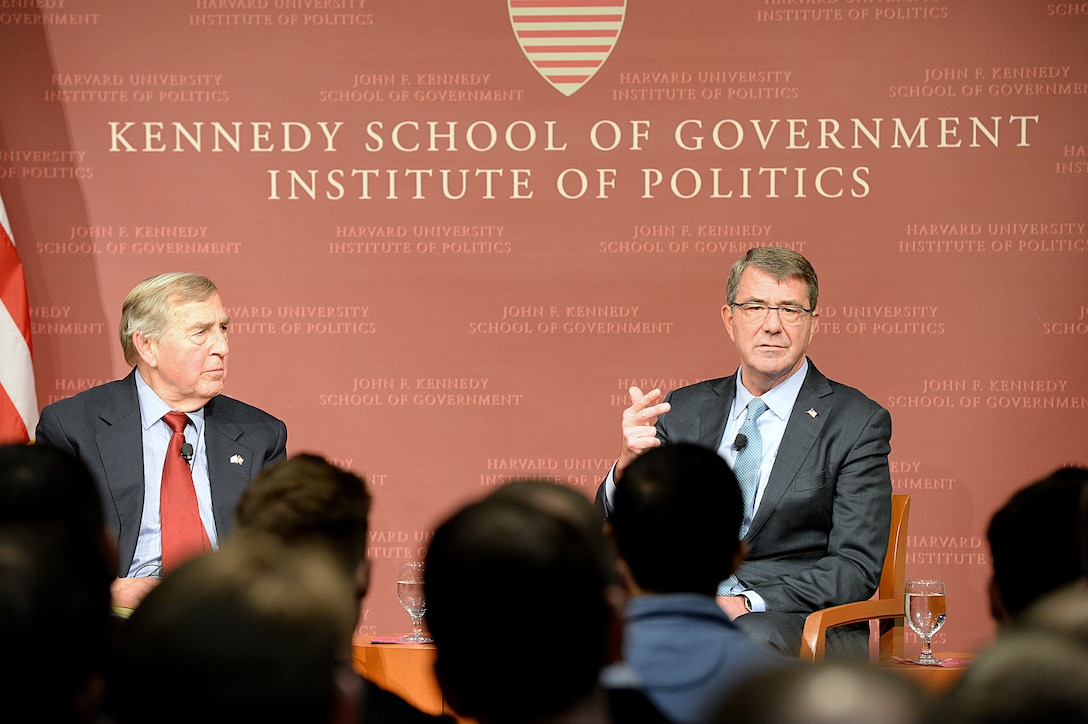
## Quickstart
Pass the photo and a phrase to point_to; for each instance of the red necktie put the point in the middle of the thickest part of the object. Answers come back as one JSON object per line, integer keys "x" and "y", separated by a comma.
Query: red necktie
{"x": 183, "y": 534}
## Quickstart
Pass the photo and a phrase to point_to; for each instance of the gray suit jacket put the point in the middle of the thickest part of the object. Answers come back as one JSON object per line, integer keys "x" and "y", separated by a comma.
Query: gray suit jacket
{"x": 820, "y": 533}
{"x": 102, "y": 426}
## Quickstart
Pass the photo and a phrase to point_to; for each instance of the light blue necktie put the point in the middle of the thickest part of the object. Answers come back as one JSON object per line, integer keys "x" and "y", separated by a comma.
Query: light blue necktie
{"x": 746, "y": 468}
{"x": 749, "y": 459}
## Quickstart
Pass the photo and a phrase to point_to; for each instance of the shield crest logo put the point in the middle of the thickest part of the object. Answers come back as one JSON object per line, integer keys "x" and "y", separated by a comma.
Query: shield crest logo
{"x": 567, "y": 41}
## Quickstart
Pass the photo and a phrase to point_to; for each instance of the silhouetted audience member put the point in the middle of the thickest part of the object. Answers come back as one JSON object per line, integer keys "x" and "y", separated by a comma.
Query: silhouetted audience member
{"x": 1036, "y": 542}
{"x": 675, "y": 514}
{"x": 1026, "y": 677}
{"x": 1084, "y": 534}
{"x": 521, "y": 607}
{"x": 306, "y": 500}
{"x": 255, "y": 632}
{"x": 1063, "y": 613}
{"x": 55, "y": 624}
{"x": 56, "y": 565}
{"x": 565, "y": 502}
{"x": 626, "y": 690}
{"x": 43, "y": 484}
{"x": 826, "y": 693}
{"x": 1037, "y": 669}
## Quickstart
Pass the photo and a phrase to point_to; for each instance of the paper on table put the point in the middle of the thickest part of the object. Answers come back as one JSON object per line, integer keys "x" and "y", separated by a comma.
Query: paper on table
{"x": 395, "y": 639}
{"x": 387, "y": 639}
{"x": 951, "y": 661}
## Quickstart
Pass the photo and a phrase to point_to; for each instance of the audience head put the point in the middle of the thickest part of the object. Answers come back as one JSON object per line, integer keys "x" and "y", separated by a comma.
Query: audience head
{"x": 55, "y": 622}
{"x": 308, "y": 500}
{"x": 825, "y": 693}
{"x": 1063, "y": 613}
{"x": 512, "y": 558}
{"x": 1084, "y": 533}
{"x": 565, "y": 502}
{"x": 257, "y": 631}
{"x": 57, "y": 559}
{"x": 40, "y": 484}
{"x": 1027, "y": 677}
{"x": 1037, "y": 530}
{"x": 675, "y": 516}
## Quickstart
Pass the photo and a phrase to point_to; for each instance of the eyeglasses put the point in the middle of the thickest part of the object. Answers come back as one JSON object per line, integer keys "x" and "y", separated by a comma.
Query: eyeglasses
{"x": 756, "y": 312}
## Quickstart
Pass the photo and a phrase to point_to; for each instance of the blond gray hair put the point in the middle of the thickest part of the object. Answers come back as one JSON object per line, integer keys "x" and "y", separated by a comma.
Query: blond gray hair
{"x": 147, "y": 306}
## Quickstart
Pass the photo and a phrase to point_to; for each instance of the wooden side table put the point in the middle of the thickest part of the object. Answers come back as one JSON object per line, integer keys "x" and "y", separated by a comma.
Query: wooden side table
{"x": 933, "y": 679}
{"x": 405, "y": 669}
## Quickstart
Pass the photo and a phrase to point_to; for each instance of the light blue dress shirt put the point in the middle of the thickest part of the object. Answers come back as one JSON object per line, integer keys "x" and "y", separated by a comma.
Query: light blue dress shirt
{"x": 147, "y": 560}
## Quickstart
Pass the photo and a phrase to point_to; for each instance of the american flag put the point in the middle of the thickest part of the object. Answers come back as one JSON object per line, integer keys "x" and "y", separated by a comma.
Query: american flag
{"x": 18, "y": 400}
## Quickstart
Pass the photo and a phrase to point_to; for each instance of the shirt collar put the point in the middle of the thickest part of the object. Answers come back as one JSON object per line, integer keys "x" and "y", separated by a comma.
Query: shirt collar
{"x": 779, "y": 398}
{"x": 152, "y": 407}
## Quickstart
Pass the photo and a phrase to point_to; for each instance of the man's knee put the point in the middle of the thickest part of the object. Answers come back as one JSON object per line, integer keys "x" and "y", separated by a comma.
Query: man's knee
{"x": 781, "y": 631}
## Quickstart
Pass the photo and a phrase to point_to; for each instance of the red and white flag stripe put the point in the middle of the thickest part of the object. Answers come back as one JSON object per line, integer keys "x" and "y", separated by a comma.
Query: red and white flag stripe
{"x": 18, "y": 400}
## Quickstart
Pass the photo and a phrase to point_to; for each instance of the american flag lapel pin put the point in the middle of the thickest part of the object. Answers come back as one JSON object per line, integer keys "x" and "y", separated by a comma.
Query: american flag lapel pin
{"x": 811, "y": 413}
{"x": 237, "y": 459}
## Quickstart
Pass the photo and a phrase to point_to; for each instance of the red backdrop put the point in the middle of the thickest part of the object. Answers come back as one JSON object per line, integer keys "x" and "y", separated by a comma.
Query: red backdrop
{"x": 444, "y": 268}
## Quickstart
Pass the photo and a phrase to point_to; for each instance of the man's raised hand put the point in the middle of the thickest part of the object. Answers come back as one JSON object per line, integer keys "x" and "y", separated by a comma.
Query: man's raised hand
{"x": 639, "y": 433}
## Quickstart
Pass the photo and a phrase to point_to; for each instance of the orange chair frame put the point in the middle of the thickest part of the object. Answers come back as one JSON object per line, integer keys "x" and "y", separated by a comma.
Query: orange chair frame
{"x": 886, "y": 607}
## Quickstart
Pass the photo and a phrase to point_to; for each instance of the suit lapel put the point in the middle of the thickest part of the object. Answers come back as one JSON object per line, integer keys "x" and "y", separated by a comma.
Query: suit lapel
{"x": 121, "y": 453}
{"x": 802, "y": 431}
{"x": 230, "y": 463}
{"x": 715, "y": 412}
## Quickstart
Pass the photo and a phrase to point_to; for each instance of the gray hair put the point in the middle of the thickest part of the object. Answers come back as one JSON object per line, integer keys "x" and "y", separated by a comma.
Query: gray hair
{"x": 781, "y": 264}
{"x": 147, "y": 306}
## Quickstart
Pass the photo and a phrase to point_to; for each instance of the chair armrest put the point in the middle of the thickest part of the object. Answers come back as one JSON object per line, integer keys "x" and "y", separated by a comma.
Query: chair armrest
{"x": 814, "y": 636}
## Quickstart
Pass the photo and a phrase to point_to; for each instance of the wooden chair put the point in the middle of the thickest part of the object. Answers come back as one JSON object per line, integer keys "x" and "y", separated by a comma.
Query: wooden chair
{"x": 887, "y": 607}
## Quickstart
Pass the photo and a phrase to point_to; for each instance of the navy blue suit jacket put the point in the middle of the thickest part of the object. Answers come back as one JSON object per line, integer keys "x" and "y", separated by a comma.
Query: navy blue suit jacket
{"x": 102, "y": 426}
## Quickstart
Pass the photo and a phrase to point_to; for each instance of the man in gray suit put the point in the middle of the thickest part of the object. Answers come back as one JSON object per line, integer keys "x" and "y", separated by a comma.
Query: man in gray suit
{"x": 817, "y": 525}
{"x": 174, "y": 332}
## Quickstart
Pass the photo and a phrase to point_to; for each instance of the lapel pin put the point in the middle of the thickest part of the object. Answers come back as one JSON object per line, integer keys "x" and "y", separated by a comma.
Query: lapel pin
{"x": 237, "y": 459}
{"x": 811, "y": 413}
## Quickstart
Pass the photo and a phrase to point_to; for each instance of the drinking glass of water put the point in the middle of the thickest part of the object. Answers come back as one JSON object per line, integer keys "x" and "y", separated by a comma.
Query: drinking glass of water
{"x": 410, "y": 593}
{"x": 924, "y": 606}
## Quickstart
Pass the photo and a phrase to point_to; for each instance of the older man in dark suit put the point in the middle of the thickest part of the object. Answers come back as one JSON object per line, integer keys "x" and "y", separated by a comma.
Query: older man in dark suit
{"x": 174, "y": 332}
{"x": 815, "y": 452}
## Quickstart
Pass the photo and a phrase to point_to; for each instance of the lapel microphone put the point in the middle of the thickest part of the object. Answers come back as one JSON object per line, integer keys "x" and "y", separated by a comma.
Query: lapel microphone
{"x": 739, "y": 444}
{"x": 187, "y": 452}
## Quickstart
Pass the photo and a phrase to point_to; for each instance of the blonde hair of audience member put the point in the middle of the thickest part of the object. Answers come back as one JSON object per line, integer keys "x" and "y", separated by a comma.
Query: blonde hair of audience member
{"x": 1063, "y": 613}
{"x": 1027, "y": 677}
{"x": 306, "y": 500}
{"x": 825, "y": 693}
